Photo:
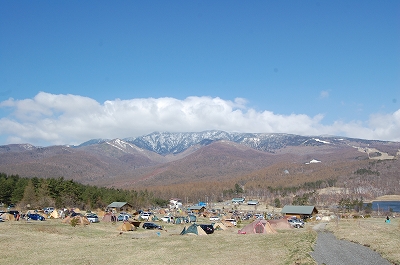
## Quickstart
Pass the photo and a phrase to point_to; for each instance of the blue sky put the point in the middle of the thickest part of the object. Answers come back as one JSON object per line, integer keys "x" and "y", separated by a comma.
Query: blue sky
{"x": 71, "y": 71}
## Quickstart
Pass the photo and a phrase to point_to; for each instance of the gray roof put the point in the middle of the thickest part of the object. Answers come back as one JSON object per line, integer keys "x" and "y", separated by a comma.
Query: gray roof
{"x": 298, "y": 209}
{"x": 196, "y": 207}
{"x": 117, "y": 205}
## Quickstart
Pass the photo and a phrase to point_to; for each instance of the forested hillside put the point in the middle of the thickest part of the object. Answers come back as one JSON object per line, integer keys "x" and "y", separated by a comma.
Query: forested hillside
{"x": 40, "y": 192}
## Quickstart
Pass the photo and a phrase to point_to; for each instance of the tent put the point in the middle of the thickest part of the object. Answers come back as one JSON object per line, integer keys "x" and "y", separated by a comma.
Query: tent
{"x": 257, "y": 227}
{"x": 179, "y": 220}
{"x": 228, "y": 223}
{"x": 194, "y": 229}
{"x": 280, "y": 224}
{"x": 82, "y": 220}
{"x": 108, "y": 217}
{"x": 8, "y": 217}
{"x": 126, "y": 226}
{"x": 54, "y": 214}
{"x": 101, "y": 213}
{"x": 219, "y": 226}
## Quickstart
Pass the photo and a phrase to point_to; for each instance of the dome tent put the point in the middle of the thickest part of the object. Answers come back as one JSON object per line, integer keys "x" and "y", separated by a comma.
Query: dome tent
{"x": 257, "y": 227}
{"x": 194, "y": 229}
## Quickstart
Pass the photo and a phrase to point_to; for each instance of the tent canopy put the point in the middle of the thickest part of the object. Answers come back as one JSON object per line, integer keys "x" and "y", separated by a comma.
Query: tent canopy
{"x": 257, "y": 227}
{"x": 194, "y": 229}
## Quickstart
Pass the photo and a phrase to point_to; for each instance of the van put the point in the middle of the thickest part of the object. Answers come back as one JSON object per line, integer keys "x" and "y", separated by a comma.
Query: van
{"x": 145, "y": 216}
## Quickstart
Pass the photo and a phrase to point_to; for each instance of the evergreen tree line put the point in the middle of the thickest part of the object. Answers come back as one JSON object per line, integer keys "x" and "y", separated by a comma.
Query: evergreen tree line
{"x": 58, "y": 192}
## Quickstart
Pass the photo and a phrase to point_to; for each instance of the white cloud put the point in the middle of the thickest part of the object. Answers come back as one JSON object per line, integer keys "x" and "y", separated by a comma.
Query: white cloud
{"x": 72, "y": 119}
{"x": 324, "y": 94}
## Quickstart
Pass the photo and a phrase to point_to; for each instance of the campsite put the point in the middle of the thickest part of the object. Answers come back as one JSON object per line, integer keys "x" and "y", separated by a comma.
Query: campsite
{"x": 104, "y": 243}
{"x": 50, "y": 241}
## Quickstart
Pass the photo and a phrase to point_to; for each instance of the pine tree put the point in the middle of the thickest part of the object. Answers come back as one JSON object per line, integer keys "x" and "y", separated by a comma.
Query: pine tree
{"x": 29, "y": 198}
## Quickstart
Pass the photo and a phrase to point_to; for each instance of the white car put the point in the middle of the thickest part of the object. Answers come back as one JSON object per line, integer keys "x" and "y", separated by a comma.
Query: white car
{"x": 259, "y": 216}
{"x": 296, "y": 223}
{"x": 145, "y": 216}
{"x": 48, "y": 210}
{"x": 214, "y": 218}
{"x": 167, "y": 219}
{"x": 93, "y": 218}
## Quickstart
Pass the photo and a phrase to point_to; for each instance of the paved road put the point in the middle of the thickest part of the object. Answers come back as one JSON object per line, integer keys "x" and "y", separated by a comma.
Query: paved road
{"x": 331, "y": 251}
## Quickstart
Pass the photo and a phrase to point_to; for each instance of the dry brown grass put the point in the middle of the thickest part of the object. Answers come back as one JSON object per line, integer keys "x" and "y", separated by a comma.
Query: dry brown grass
{"x": 52, "y": 242}
{"x": 372, "y": 232}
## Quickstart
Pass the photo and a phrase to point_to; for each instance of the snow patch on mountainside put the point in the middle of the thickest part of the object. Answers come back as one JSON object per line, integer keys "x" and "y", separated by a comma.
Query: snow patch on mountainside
{"x": 28, "y": 146}
{"x": 314, "y": 161}
{"x": 123, "y": 146}
{"x": 321, "y": 141}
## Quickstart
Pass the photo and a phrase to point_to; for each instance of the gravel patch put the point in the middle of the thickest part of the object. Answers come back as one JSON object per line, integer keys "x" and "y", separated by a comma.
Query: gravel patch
{"x": 331, "y": 251}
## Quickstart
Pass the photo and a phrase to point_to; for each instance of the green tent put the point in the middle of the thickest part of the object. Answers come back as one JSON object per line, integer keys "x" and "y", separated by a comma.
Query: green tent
{"x": 194, "y": 229}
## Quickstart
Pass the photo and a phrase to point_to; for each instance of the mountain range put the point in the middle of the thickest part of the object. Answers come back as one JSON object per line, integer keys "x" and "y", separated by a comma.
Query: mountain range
{"x": 166, "y": 159}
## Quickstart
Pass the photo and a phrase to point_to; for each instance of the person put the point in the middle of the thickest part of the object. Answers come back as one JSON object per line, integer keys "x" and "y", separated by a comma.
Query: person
{"x": 387, "y": 219}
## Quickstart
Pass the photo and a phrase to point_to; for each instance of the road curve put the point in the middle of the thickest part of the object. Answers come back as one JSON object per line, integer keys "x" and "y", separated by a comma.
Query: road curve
{"x": 331, "y": 251}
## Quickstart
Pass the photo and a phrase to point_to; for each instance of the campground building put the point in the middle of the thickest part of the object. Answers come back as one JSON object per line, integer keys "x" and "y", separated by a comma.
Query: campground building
{"x": 301, "y": 212}
{"x": 119, "y": 207}
{"x": 196, "y": 209}
{"x": 252, "y": 202}
{"x": 237, "y": 200}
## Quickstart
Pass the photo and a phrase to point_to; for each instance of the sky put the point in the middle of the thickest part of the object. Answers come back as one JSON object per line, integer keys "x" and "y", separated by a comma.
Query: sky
{"x": 71, "y": 71}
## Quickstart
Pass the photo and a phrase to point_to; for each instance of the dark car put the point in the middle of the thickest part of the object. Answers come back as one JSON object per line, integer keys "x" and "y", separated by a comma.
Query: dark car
{"x": 151, "y": 226}
{"x": 209, "y": 229}
{"x": 13, "y": 212}
{"x": 36, "y": 217}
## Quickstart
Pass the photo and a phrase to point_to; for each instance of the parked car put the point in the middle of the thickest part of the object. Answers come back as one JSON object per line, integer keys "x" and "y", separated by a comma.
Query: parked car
{"x": 214, "y": 218}
{"x": 209, "y": 229}
{"x": 145, "y": 215}
{"x": 93, "y": 218}
{"x": 48, "y": 210}
{"x": 297, "y": 223}
{"x": 168, "y": 219}
{"x": 13, "y": 212}
{"x": 259, "y": 216}
{"x": 35, "y": 216}
{"x": 123, "y": 217}
{"x": 152, "y": 226}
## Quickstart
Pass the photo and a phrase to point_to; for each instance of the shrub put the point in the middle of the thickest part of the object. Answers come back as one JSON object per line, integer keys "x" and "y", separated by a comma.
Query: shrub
{"x": 74, "y": 222}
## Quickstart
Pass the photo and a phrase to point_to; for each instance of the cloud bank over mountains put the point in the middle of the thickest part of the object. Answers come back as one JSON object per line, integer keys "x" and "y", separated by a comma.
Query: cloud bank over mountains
{"x": 50, "y": 119}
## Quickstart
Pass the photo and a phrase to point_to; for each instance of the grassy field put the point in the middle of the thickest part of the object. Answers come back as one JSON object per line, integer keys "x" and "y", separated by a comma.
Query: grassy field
{"x": 372, "y": 232}
{"x": 52, "y": 242}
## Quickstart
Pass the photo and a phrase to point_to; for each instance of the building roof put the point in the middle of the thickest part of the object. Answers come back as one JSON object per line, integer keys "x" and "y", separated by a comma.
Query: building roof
{"x": 196, "y": 207}
{"x": 117, "y": 204}
{"x": 294, "y": 209}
